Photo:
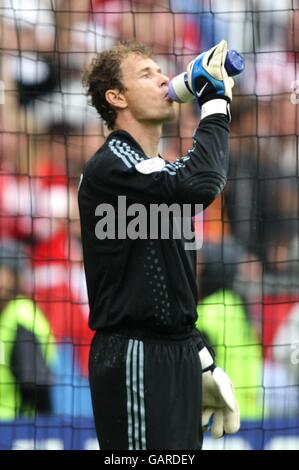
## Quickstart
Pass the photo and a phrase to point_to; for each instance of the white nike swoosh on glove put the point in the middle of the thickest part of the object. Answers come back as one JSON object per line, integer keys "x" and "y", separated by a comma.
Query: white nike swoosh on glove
{"x": 199, "y": 93}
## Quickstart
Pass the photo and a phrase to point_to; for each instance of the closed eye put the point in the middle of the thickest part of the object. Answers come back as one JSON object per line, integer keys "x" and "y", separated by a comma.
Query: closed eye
{"x": 147, "y": 72}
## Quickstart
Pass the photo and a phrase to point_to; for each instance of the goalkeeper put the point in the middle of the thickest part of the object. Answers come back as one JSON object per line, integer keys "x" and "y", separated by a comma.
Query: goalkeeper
{"x": 152, "y": 376}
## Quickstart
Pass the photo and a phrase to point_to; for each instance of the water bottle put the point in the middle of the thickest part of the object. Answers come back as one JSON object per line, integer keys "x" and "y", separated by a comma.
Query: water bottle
{"x": 179, "y": 88}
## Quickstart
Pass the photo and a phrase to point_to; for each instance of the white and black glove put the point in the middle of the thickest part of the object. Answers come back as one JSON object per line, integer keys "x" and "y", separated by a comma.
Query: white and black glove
{"x": 220, "y": 409}
{"x": 208, "y": 76}
{"x": 210, "y": 82}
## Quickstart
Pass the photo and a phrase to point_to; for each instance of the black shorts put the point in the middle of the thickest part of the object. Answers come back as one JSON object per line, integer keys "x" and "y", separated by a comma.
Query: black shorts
{"x": 146, "y": 394}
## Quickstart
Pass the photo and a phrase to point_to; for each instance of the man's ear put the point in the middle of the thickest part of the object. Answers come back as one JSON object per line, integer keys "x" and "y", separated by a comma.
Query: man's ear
{"x": 116, "y": 99}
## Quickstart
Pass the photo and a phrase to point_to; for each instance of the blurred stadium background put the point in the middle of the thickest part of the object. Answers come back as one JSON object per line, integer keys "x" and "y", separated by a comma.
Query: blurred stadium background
{"x": 248, "y": 269}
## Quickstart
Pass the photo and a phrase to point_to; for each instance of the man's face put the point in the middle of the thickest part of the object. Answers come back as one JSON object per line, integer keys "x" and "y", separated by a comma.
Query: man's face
{"x": 146, "y": 90}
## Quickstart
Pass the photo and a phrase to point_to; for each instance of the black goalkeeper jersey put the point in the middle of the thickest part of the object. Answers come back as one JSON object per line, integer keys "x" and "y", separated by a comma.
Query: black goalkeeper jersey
{"x": 144, "y": 284}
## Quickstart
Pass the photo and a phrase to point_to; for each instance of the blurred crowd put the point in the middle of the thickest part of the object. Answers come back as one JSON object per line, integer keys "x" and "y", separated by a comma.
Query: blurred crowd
{"x": 248, "y": 267}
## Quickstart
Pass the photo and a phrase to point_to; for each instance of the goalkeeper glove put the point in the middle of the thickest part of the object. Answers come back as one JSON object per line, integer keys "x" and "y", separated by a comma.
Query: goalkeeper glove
{"x": 219, "y": 405}
{"x": 209, "y": 79}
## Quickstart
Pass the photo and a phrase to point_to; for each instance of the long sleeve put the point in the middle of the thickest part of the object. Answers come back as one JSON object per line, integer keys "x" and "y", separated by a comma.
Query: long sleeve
{"x": 31, "y": 371}
{"x": 197, "y": 178}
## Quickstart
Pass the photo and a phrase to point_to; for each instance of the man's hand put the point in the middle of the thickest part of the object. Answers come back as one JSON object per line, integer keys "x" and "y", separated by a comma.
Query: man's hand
{"x": 208, "y": 77}
{"x": 219, "y": 403}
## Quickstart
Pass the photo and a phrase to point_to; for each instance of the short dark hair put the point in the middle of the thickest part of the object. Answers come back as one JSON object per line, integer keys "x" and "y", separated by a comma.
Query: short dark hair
{"x": 104, "y": 74}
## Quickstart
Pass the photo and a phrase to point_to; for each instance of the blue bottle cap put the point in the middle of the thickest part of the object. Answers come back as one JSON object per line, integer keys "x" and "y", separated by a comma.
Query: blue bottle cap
{"x": 234, "y": 63}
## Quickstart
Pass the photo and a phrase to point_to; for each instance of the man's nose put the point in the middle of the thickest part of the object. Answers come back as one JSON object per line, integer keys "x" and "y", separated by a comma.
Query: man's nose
{"x": 164, "y": 80}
